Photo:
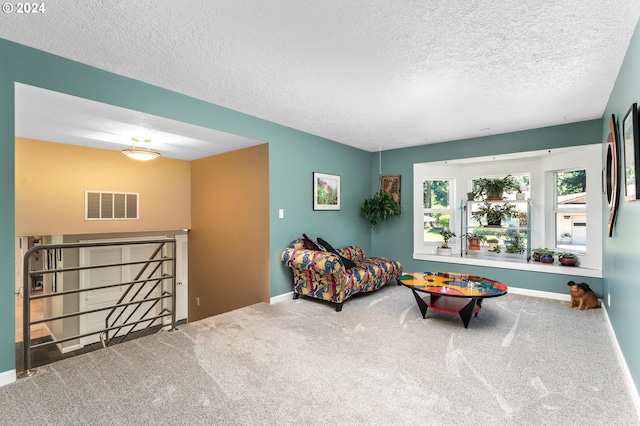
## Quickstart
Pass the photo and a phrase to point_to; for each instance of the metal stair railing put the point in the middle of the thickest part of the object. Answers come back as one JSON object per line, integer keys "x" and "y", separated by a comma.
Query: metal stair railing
{"x": 165, "y": 264}
{"x": 106, "y": 340}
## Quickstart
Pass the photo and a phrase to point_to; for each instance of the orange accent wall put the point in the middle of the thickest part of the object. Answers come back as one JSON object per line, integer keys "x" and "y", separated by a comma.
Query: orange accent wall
{"x": 51, "y": 179}
{"x": 229, "y": 237}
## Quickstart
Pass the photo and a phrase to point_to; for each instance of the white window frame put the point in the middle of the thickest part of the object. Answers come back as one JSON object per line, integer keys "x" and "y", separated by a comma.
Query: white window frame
{"x": 541, "y": 166}
{"x": 421, "y": 173}
{"x": 567, "y": 210}
{"x": 451, "y": 210}
{"x": 588, "y": 158}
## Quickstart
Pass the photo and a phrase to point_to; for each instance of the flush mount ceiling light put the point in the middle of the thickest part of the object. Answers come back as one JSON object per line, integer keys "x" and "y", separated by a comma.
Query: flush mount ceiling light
{"x": 141, "y": 154}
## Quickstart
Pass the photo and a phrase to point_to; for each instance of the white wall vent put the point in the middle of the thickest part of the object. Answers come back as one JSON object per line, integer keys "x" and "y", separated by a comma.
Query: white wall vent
{"x": 101, "y": 205}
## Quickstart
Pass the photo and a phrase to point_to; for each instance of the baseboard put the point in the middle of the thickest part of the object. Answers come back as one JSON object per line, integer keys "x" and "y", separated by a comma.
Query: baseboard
{"x": 282, "y": 297}
{"x": 514, "y": 290}
{"x": 538, "y": 293}
{"x": 7, "y": 377}
{"x": 68, "y": 348}
{"x": 633, "y": 390}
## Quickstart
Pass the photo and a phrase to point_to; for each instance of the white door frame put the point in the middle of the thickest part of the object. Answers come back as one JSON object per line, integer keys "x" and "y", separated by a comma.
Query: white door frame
{"x": 182, "y": 277}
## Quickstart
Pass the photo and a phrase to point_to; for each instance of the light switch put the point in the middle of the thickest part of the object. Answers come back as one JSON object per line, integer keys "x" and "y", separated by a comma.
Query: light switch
{"x": 281, "y": 213}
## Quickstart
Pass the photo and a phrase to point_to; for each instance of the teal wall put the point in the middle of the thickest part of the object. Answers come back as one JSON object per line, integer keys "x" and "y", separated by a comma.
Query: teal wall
{"x": 7, "y": 219}
{"x": 293, "y": 156}
{"x": 622, "y": 251}
{"x": 292, "y": 163}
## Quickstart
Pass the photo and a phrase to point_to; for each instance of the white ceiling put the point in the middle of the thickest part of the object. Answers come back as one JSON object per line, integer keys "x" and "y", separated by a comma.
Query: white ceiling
{"x": 371, "y": 74}
{"x": 51, "y": 116}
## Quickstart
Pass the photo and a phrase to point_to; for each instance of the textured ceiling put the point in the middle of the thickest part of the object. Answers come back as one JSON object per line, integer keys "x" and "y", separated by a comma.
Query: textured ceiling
{"x": 371, "y": 74}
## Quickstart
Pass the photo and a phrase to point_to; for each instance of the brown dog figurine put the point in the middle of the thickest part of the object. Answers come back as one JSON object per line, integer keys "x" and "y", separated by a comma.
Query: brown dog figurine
{"x": 582, "y": 296}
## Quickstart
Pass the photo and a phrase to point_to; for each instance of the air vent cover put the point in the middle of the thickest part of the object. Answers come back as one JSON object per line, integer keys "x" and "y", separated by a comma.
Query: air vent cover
{"x": 100, "y": 205}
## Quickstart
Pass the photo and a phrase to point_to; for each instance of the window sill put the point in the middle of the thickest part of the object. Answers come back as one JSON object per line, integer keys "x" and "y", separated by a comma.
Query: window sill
{"x": 515, "y": 263}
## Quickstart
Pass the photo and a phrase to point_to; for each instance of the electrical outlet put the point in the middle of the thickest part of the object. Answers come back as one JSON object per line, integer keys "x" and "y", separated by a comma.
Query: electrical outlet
{"x": 197, "y": 301}
{"x": 608, "y": 300}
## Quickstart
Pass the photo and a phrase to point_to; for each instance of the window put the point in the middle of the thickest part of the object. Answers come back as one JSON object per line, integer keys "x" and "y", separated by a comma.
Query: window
{"x": 437, "y": 210}
{"x": 570, "y": 208}
{"x": 505, "y": 218}
{"x": 556, "y": 181}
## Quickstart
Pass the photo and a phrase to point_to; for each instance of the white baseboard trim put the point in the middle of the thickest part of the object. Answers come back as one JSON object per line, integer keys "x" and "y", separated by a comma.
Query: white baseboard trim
{"x": 68, "y": 348}
{"x": 538, "y": 293}
{"x": 514, "y": 290}
{"x": 7, "y": 377}
{"x": 633, "y": 390}
{"x": 58, "y": 345}
{"x": 282, "y": 297}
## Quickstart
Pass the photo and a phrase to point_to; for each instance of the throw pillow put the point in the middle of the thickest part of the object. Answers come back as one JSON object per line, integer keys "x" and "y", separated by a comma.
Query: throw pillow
{"x": 348, "y": 263}
{"x": 309, "y": 244}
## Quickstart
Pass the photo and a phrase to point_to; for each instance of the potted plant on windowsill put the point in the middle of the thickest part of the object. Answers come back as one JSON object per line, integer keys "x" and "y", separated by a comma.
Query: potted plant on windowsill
{"x": 444, "y": 249}
{"x": 567, "y": 259}
{"x": 475, "y": 240}
{"x": 493, "y": 244}
{"x": 380, "y": 207}
{"x": 537, "y": 252}
{"x": 547, "y": 256}
{"x": 516, "y": 244}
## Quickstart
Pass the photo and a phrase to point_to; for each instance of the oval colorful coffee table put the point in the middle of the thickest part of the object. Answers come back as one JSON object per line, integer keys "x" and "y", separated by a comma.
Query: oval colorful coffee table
{"x": 452, "y": 292}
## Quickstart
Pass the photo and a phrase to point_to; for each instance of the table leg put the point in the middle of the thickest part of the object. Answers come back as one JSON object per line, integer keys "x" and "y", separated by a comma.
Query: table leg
{"x": 467, "y": 312}
{"x": 421, "y": 303}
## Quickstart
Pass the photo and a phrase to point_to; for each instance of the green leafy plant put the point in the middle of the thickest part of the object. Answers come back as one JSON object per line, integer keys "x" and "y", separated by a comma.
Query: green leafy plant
{"x": 477, "y": 235}
{"x": 567, "y": 255}
{"x": 493, "y": 189}
{"x": 536, "y": 253}
{"x": 517, "y": 244}
{"x": 493, "y": 243}
{"x": 567, "y": 258}
{"x": 494, "y": 213}
{"x": 542, "y": 251}
{"x": 447, "y": 234}
{"x": 380, "y": 207}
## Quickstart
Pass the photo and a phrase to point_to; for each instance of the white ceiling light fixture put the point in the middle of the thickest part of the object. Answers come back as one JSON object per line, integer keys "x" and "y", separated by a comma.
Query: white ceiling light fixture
{"x": 141, "y": 154}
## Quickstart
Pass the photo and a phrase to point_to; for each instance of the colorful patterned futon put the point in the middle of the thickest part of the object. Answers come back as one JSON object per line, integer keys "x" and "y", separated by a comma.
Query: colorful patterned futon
{"x": 322, "y": 275}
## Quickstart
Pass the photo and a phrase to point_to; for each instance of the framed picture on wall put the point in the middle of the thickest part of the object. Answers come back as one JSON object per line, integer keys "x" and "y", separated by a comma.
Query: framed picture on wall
{"x": 391, "y": 185}
{"x": 631, "y": 138}
{"x": 326, "y": 191}
{"x": 612, "y": 173}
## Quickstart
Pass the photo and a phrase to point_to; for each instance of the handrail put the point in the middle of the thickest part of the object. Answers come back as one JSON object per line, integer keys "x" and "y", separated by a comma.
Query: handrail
{"x": 55, "y": 251}
{"x": 126, "y": 292}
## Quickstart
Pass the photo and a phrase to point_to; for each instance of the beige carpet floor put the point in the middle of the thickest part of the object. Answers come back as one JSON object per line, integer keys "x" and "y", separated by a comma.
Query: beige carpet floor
{"x": 522, "y": 361}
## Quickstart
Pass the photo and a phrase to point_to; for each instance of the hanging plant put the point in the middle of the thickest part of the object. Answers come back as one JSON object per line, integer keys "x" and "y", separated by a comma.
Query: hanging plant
{"x": 380, "y": 207}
